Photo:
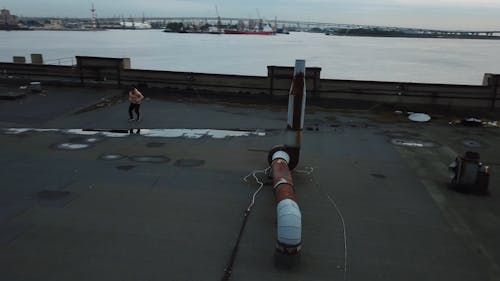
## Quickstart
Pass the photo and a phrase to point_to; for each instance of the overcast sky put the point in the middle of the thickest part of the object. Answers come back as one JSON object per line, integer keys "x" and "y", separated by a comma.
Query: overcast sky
{"x": 446, "y": 14}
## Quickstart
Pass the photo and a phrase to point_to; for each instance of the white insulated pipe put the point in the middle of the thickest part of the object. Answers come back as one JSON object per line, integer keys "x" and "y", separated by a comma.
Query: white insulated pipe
{"x": 289, "y": 218}
{"x": 289, "y": 223}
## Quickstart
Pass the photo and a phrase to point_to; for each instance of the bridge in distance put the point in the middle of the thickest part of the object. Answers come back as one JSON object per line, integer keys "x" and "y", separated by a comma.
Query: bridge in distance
{"x": 300, "y": 25}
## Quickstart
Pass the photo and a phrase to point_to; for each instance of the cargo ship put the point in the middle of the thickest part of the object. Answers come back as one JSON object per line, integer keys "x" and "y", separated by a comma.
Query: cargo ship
{"x": 228, "y": 31}
{"x": 253, "y": 29}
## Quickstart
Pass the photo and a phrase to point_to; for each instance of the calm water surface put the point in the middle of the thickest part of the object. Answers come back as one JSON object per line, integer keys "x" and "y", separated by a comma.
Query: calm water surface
{"x": 359, "y": 58}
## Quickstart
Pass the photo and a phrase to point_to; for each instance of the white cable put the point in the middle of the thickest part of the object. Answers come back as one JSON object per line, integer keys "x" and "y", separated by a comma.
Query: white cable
{"x": 261, "y": 184}
{"x": 344, "y": 230}
{"x": 308, "y": 171}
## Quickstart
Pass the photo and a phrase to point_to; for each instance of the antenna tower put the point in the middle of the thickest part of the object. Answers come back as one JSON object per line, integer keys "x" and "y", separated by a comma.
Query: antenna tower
{"x": 94, "y": 21}
{"x": 219, "y": 23}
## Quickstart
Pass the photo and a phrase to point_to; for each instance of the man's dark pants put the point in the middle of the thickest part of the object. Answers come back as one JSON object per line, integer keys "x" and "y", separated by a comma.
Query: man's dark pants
{"x": 135, "y": 107}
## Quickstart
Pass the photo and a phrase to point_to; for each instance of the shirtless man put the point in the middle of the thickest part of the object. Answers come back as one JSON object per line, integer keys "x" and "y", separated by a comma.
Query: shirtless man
{"x": 135, "y": 97}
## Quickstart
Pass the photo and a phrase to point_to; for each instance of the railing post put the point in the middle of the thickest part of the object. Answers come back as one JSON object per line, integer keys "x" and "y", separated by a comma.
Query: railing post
{"x": 79, "y": 62}
{"x": 119, "y": 74}
{"x": 495, "y": 91}
{"x": 315, "y": 85}
{"x": 270, "y": 75}
{"x": 19, "y": 59}
{"x": 490, "y": 81}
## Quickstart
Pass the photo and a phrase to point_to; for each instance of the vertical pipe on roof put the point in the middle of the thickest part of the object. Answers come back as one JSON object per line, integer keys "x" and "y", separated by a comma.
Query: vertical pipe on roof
{"x": 284, "y": 158}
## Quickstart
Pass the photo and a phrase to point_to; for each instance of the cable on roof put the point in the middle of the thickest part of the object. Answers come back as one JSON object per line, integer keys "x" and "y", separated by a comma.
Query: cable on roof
{"x": 308, "y": 171}
{"x": 229, "y": 268}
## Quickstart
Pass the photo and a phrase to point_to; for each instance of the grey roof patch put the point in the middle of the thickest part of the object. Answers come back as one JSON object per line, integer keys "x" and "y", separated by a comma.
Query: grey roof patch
{"x": 52, "y": 194}
{"x": 150, "y": 159}
{"x": 125, "y": 167}
{"x": 378, "y": 176}
{"x": 188, "y": 163}
{"x": 55, "y": 198}
{"x": 155, "y": 144}
{"x": 10, "y": 232}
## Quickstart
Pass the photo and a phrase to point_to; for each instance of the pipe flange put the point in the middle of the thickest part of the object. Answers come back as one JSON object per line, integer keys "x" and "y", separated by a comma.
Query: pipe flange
{"x": 293, "y": 152}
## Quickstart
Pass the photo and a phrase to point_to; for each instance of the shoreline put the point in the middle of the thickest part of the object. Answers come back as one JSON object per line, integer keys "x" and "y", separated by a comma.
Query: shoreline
{"x": 478, "y": 37}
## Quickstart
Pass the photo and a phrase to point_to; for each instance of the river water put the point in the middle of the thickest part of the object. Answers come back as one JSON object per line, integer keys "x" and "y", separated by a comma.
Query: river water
{"x": 358, "y": 58}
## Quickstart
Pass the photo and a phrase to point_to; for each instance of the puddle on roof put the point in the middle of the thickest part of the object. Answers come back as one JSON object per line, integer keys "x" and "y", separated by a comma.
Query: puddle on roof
{"x": 111, "y": 157}
{"x": 15, "y": 131}
{"x": 412, "y": 143}
{"x": 155, "y": 133}
{"x": 89, "y": 140}
{"x": 71, "y": 146}
{"x": 197, "y": 133}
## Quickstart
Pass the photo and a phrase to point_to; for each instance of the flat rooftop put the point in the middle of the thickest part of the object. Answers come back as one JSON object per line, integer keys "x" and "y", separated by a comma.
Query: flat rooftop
{"x": 167, "y": 202}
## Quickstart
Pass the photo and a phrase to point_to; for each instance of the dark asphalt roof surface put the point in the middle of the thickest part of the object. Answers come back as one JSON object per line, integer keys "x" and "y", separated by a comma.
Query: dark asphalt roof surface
{"x": 170, "y": 208}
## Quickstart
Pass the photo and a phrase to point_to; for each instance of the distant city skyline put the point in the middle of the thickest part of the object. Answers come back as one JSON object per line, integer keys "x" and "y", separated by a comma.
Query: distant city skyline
{"x": 443, "y": 14}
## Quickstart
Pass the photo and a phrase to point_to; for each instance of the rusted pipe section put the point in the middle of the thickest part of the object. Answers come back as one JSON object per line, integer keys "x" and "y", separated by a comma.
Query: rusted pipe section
{"x": 289, "y": 238}
{"x": 297, "y": 97}
{"x": 296, "y": 113}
